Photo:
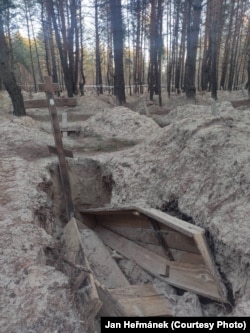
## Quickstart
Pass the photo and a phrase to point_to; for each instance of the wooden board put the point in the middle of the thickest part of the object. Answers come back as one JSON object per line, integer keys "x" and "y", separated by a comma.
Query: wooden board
{"x": 104, "y": 267}
{"x": 143, "y": 215}
{"x": 192, "y": 277}
{"x": 148, "y": 260}
{"x": 142, "y": 301}
{"x": 193, "y": 268}
{"x": 110, "y": 307}
{"x": 175, "y": 240}
{"x": 43, "y": 103}
{"x": 67, "y": 153}
{"x": 42, "y": 87}
{"x": 78, "y": 269}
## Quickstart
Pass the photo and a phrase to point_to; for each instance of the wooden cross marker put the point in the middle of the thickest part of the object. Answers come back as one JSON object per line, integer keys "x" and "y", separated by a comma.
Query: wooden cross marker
{"x": 49, "y": 88}
{"x": 43, "y": 103}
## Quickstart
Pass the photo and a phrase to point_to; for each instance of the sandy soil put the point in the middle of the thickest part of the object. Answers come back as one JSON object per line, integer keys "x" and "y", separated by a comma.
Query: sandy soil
{"x": 192, "y": 154}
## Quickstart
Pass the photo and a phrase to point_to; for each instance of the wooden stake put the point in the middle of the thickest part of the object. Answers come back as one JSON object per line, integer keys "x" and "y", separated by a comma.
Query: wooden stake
{"x": 49, "y": 87}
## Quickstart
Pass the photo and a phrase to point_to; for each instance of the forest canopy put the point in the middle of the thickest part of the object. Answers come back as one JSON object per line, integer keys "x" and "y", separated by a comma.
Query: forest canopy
{"x": 129, "y": 46}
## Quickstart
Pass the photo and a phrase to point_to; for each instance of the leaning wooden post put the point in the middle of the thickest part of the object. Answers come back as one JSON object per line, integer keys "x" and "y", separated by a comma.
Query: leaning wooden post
{"x": 49, "y": 89}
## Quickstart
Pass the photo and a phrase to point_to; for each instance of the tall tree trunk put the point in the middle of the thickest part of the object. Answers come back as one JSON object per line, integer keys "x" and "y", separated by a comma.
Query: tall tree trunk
{"x": 177, "y": 47}
{"x": 248, "y": 53}
{"x": 7, "y": 75}
{"x": 215, "y": 41}
{"x": 82, "y": 80}
{"x": 155, "y": 49}
{"x": 227, "y": 46}
{"x": 193, "y": 27}
{"x": 117, "y": 31}
{"x": 233, "y": 53}
{"x": 36, "y": 48}
{"x": 206, "y": 61}
{"x": 97, "y": 53}
{"x": 64, "y": 38}
{"x": 30, "y": 46}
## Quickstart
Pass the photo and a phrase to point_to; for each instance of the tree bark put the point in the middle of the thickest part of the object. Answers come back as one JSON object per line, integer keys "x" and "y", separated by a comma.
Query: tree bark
{"x": 8, "y": 77}
{"x": 117, "y": 31}
{"x": 193, "y": 28}
{"x": 155, "y": 49}
{"x": 98, "y": 67}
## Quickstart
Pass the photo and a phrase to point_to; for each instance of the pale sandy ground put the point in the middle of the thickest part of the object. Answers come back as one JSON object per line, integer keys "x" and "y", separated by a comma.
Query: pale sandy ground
{"x": 186, "y": 152}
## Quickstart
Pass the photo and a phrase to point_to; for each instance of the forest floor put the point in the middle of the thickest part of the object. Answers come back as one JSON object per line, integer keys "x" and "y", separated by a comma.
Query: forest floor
{"x": 194, "y": 154}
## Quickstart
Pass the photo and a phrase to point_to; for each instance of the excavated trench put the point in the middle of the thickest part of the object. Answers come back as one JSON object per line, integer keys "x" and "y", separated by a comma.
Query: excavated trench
{"x": 91, "y": 187}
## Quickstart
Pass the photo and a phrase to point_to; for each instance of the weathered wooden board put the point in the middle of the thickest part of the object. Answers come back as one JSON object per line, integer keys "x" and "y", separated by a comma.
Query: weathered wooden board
{"x": 175, "y": 240}
{"x": 137, "y": 227}
{"x": 244, "y": 102}
{"x": 78, "y": 269}
{"x": 67, "y": 153}
{"x": 193, "y": 267}
{"x": 42, "y": 87}
{"x": 192, "y": 277}
{"x": 148, "y": 260}
{"x": 142, "y": 216}
{"x": 110, "y": 307}
{"x": 104, "y": 267}
{"x": 43, "y": 103}
{"x": 179, "y": 256}
{"x": 142, "y": 301}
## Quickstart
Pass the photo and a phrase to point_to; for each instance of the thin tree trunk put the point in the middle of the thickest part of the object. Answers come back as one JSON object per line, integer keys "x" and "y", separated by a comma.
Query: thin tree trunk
{"x": 117, "y": 31}
{"x": 30, "y": 47}
{"x": 82, "y": 76}
{"x": 227, "y": 47}
{"x": 216, "y": 22}
{"x": 155, "y": 49}
{"x": 193, "y": 27}
{"x": 97, "y": 53}
{"x": 36, "y": 48}
{"x": 7, "y": 75}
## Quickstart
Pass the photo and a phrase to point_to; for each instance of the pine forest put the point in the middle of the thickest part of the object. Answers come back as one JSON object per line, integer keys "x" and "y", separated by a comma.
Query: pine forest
{"x": 125, "y": 47}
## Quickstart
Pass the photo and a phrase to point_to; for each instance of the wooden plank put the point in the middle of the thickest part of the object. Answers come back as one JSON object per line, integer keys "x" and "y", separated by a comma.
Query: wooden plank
{"x": 104, "y": 267}
{"x": 59, "y": 147}
{"x": 191, "y": 277}
{"x": 43, "y": 103}
{"x": 79, "y": 271}
{"x": 162, "y": 241}
{"x": 207, "y": 256}
{"x": 142, "y": 213}
{"x": 185, "y": 228}
{"x": 175, "y": 240}
{"x": 67, "y": 153}
{"x": 66, "y": 101}
{"x": 142, "y": 301}
{"x": 36, "y": 104}
{"x": 127, "y": 219}
{"x": 54, "y": 86}
{"x": 179, "y": 256}
{"x": 110, "y": 307}
{"x": 194, "y": 278}
{"x": 244, "y": 102}
{"x": 148, "y": 260}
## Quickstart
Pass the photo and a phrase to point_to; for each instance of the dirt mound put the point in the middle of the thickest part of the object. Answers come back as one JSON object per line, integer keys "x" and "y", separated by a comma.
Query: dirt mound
{"x": 120, "y": 122}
